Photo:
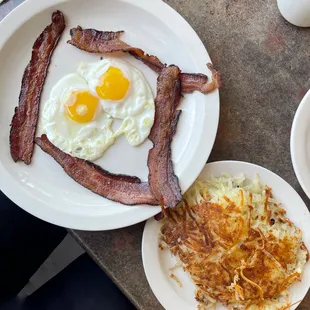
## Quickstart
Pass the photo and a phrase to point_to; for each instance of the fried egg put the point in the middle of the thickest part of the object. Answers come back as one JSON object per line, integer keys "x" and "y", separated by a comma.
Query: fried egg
{"x": 124, "y": 94}
{"x": 74, "y": 120}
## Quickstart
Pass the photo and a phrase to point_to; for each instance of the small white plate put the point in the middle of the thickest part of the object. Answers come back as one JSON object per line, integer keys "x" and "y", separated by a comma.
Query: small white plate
{"x": 300, "y": 143}
{"x": 43, "y": 188}
{"x": 157, "y": 262}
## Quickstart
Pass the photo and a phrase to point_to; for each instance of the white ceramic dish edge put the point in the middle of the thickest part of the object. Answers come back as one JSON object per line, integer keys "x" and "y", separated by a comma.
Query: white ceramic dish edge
{"x": 297, "y": 143}
{"x": 21, "y": 14}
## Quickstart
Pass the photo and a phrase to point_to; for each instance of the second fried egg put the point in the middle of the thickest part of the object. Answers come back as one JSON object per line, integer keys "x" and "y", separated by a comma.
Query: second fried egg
{"x": 124, "y": 94}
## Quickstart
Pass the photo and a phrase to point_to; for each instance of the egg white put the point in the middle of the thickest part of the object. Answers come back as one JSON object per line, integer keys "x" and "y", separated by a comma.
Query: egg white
{"x": 137, "y": 108}
{"x": 89, "y": 140}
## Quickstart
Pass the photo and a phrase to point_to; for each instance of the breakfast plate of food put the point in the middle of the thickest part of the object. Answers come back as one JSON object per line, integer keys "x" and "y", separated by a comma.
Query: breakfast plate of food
{"x": 238, "y": 240}
{"x": 300, "y": 146}
{"x": 109, "y": 110}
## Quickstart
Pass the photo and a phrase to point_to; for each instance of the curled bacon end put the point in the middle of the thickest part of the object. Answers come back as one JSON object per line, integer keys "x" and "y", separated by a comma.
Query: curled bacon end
{"x": 216, "y": 81}
{"x": 198, "y": 81}
{"x": 162, "y": 180}
{"x": 24, "y": 122}
{"x": 120, "y": 188}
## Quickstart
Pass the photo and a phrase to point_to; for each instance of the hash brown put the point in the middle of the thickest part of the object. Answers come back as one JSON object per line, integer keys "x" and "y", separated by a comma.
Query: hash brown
{"x": 237, "y": 245}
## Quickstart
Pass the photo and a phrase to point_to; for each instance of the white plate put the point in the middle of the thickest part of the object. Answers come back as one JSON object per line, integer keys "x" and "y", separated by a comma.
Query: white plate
{"x": 300, "y": 143}
{"x": 157, "y": 262}
{"x": 42, "y": 188}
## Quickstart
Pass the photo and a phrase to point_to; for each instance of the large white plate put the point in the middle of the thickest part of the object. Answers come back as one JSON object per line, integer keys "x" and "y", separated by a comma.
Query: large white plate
{"x": 157, "y": 262}
{"x": 42, "y": 188}
{"x": 300, "y": 143}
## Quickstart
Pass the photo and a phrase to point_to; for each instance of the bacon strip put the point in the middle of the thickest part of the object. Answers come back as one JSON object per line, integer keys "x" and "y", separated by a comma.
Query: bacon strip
{"x": 162, "y": 180}
{"x": 121, "y": 188}
{"x": 24, "y": 122}
{"x": 95, "y": 41}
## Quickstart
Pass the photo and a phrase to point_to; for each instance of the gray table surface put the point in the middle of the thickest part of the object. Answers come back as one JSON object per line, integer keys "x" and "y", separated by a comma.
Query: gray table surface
{"x": 265, "y": 63}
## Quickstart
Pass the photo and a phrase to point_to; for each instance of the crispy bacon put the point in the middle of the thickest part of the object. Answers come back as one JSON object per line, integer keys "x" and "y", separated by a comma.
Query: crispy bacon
{"x": 149, "y": 60}
{"x": 195, "y": 81}
{"x": 162, "y": 180}
{"x": 95, "y": 41}
{"x": 121, "y": 188}
{"x": 25, "y": 117}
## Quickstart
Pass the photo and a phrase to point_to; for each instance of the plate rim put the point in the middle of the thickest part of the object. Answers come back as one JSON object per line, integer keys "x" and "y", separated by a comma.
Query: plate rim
{"x": 157, "y": 286}
{"x": 8, "y": 184}
{"x": 294, "y": 142}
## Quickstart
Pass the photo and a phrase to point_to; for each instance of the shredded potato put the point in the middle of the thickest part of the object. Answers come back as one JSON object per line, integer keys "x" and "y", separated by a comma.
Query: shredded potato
{"x": 234, "y": 240}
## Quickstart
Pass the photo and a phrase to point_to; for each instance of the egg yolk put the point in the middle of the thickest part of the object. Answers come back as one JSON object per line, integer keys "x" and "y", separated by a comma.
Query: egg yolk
{"x": 81, "y": 106}
{"x": 113, "y": 85}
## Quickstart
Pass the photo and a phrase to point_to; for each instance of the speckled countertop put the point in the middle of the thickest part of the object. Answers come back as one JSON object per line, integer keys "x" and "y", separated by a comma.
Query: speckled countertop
{"x": 265, "y": 64}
